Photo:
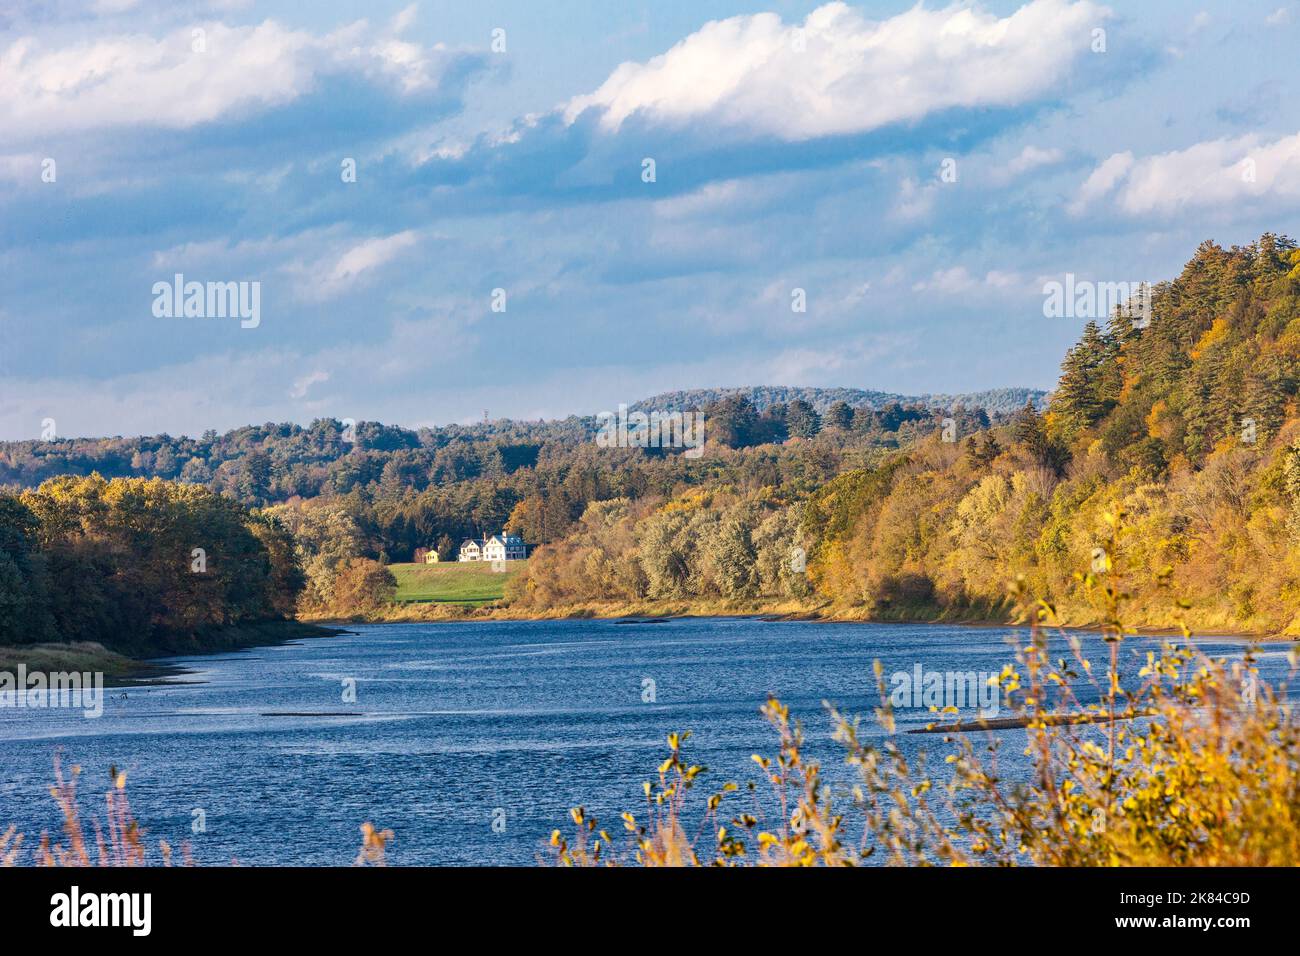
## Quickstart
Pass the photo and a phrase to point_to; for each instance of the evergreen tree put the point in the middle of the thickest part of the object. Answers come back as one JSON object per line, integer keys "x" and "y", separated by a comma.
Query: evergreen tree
{"x": 802, "y": 419}
{"x": 1090, "y": 383}
{"x": 732, "y": 421}
{"x": 1029, "y": 431}
{"x": 840, "y": 415}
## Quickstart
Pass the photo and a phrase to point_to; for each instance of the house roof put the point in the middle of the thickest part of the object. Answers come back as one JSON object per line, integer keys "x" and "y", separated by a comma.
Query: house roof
{"x": 509, "y": 540}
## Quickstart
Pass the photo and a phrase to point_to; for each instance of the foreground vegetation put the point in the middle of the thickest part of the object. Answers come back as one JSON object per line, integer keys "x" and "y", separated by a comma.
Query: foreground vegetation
{"x": 78, "y": 657}
{"x": 118, "y": 839}
{"x": 1198, "y": 764}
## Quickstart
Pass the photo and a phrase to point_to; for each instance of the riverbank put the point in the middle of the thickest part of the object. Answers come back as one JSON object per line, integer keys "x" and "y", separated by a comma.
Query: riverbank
{"x": 83, "y": 657}
{"x": 121, "y": 669}
{"x": 1149, "y": 624}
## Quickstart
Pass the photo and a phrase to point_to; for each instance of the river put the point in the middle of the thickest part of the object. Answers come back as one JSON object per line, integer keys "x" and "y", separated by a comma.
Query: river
{"x": 470, "y": 741}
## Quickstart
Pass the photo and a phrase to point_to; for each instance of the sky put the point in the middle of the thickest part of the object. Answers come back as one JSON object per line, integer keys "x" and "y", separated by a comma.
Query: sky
{"x": 531, "y": 210}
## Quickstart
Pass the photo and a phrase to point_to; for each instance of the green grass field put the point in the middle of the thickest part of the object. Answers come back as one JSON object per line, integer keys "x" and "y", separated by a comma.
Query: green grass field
{"x": 452, "y": 583}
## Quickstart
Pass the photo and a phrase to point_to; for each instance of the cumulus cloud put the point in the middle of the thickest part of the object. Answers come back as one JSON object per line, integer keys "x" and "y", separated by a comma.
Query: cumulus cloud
{"x": 840, "y": 73}
{"x": 1209, "y": 174}
{"x": 195, "y": 75}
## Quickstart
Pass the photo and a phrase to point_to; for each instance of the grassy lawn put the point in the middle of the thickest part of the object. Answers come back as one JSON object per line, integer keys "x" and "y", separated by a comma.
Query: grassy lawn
{"x": 472, "y": 582}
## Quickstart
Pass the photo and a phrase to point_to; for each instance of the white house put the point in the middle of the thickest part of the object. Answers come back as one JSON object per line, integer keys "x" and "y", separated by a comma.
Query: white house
{"x": 499, "y": 547}
{"x": 504, "y": 547}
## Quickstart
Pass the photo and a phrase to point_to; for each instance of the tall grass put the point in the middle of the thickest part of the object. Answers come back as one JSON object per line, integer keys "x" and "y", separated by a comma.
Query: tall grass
{"x": 118, "y": 839}
{"x": 1197, "y": 764}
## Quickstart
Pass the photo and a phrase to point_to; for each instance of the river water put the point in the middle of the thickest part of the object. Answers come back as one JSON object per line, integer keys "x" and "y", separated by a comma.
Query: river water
{"x": 471, "y": 741}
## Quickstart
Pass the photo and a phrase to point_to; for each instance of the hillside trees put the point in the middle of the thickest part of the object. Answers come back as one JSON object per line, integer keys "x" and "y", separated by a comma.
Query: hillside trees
{"x": 139, "y": 564}
{"x": 24, "y": 586}
{"x": 362, "y": 586}
{"x": 1188, "y": 425}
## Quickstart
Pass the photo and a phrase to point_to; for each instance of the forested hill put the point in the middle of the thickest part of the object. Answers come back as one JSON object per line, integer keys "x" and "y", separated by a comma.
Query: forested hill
{"x": 1216, "y": 367}
{"x": 1183, "y": 429}
{"x": 278, "y": 461}
{"x": 1169, "y": 456}
{"x": 997, "y": 401}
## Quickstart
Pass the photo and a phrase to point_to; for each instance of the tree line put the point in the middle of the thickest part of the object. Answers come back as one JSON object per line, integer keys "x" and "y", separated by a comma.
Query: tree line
{"x": 138, "y": 565}
{"x": 1187, "y": 425}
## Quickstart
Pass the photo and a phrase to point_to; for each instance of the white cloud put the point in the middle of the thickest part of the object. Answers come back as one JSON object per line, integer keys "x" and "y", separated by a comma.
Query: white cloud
{"x": 998, "y": 279}
{"x": 915, "y": 200}
{"x": 303, "y": 385}
{"x": 1214, "y": 173}
{"x": 136, "y": 79}
{"x": 1101, "y": 181}
{"x": 231, "y": 388}
{"x": 22, "y": 168}
{"x": 369, "y": 254}
{"x": 709, "y": 198}
{"x": 224, "y": 253}
{"x": 404, "y": 18}
{"x": 337, "y": 274}
{"x": 1032, "y": 157}
{"x": 844, "y": 362}
{"x": 958, "y": 280}
{"x": 841, "y": 73}
{"x": 114, "y": 6}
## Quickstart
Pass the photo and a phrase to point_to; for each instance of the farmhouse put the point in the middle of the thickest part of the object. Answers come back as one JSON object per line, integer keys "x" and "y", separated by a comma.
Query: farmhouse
{"x": 499, "y": 547}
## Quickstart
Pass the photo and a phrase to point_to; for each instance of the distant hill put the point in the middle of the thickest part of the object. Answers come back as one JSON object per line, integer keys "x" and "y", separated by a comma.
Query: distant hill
{"x": 277, "y": 461}
{"x": 994, "y": 401}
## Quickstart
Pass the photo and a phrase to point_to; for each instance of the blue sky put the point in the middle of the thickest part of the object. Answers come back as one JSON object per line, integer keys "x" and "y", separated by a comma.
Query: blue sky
{"x": 795, "y": 146}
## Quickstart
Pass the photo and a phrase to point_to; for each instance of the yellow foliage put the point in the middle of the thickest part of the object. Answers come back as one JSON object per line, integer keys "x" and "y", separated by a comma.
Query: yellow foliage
{"x": 1156, "y": 426}
{"x": 1213, "y": 335}
{"x": 1195, "y": 763}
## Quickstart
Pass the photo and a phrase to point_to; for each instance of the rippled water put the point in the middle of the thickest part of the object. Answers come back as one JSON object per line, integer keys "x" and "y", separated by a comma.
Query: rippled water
{"x": 456, "y": 725}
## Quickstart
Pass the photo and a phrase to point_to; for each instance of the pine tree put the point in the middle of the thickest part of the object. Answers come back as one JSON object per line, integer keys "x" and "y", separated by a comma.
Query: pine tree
{"x": 1028, "y": 431}
{"x": 1090, "y": 383}
{"x": 802, "y": 419}
{"x": 840, "y": 415}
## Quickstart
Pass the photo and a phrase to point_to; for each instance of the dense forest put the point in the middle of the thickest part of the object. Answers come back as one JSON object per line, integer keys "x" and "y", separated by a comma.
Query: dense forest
{"x": 140, "y": 566}
{"x": 1186, "y": 424}
{"x": 260, "y": 464}
{"x": 379, "y": 493}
